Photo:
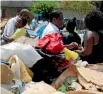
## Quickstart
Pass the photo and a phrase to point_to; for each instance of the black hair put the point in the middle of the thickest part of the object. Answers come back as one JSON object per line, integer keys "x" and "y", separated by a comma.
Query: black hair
{"x": 71, "y": 24}
{"x": 24, "y": 11}
{"x": 94, "y": 20}
{"x": 24, "y": 21}
{"x": 55, "y": 14}
{"x": 74, "y": 19}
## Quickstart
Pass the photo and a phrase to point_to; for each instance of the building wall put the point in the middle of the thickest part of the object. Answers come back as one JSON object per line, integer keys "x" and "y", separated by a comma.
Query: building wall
{"x": 69, "y": 14}
{"x": 8, "y": 12}
{"x": 11, "y": 8}
{"x": 16, "y": 3}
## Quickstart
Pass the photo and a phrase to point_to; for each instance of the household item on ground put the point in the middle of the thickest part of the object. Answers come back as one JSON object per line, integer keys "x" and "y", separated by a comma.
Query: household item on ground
{"x": 92, "y": 77}
{"x": 40, "y": 88}
{"x": 84, "y": 92}
{"x": 4, "y": 62}
{"x": 6, "y": 74}
{"x": 18, "y": 87}
{"x": 5, "y": 91}
{"x": 68, "y": 85}
{"x": 81, "y": 63}
{"x": 45, "y": 70}
{"x": 50, "y": 67}
{"x": 70, "y": 54}
{"x": 67, "y": 73}
{"x": 89, "y": 79}
{"x": 24, "y": 51}
{"x": 19, "y": 69}
{"x": 8, "y": 85}
{"x": 51, "y": 43}
{"x": 58, "y": 60}
{"x": 98, "y": 66}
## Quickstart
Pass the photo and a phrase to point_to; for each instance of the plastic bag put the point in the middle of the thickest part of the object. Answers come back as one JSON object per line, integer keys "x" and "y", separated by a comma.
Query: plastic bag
{"x": 6, "y": 74}
{"x": 70, "y": 54}
{"x": 15, "y": 66}
{"x": 55, "y": 47}
{"x": 24, "y": 51}
{"x": 42, "y": 42}
{"x": 51, "y": 43}
{"x": 19, "y": 69}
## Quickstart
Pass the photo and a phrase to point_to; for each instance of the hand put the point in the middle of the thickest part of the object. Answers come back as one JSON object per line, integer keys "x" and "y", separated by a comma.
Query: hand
{"x": 8, "y": 39}
{"x": 72, "y": 45}
{"x": 80, "y": 49}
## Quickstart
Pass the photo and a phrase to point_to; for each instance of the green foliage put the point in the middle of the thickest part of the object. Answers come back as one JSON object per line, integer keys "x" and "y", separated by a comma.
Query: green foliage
{"x": 78, "y": 6}
{"x": 44, "y": 7}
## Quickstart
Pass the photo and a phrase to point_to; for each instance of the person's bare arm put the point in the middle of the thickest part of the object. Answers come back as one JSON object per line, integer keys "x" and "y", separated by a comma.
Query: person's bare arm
{"x": 8, "y": 39}
{"x": 88, "y": 45}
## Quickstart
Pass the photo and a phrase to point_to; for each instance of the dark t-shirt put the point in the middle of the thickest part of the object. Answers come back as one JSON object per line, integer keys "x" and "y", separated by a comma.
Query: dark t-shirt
{"x": 97, "y": 52}
{"x": 72, "y": 37}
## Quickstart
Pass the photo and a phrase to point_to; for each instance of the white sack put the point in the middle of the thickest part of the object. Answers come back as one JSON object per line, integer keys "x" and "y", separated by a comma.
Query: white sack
{"x": 24, "y": 51}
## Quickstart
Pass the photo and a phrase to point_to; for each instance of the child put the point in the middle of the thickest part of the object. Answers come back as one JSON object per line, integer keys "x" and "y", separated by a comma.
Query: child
{"x": 21, "y": 22}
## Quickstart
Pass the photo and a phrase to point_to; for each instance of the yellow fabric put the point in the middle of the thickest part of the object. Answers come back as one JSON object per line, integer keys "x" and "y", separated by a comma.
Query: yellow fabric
{"x": 29, "y": 71}
{"x": 70, "y": 54}
{"x": 6, "y": 74}
{"x": 25, "y": 73}
{"x": 20, "y": 32}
